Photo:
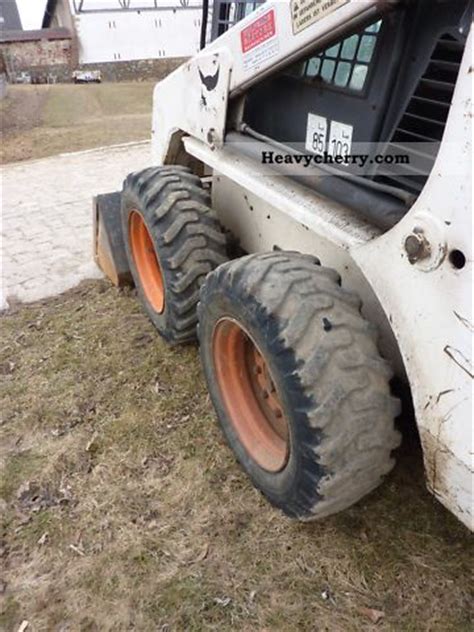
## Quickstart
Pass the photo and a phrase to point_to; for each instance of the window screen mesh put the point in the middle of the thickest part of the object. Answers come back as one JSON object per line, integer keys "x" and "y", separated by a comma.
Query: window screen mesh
{"x": 346, "y": 64}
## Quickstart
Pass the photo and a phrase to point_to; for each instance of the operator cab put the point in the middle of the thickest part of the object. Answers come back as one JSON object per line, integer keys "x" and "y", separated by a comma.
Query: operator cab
{"x": 383, "y": 91}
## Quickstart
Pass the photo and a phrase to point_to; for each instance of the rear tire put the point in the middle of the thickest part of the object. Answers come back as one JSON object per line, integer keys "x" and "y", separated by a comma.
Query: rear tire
{"x": 173, "y": 240}
{"x": 313, "y": 424}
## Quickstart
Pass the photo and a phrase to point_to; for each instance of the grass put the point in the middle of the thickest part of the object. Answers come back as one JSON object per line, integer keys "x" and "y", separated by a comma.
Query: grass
{"x": 136, "y": 515}
{"x": 44, "y": 120}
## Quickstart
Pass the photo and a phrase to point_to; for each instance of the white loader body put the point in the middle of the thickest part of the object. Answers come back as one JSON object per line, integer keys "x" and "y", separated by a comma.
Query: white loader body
{"x": 423, "y": 309}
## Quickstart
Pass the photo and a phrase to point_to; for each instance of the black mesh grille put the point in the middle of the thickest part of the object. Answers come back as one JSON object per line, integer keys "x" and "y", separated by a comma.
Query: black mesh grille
{"x": 425, "y": 117}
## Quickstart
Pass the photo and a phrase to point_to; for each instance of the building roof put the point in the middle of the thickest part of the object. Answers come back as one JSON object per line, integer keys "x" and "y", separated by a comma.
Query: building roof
{"x": 9, "y": 16}
{"x": 31, "y": 36}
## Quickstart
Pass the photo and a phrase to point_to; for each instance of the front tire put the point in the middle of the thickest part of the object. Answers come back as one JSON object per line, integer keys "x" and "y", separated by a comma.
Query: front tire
{"x": 173, "y": 240}
{"x": 298, "y": 385}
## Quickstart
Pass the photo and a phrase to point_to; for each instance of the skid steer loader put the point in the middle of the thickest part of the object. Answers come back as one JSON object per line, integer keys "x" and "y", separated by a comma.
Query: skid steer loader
{"x": 307, "y": 216}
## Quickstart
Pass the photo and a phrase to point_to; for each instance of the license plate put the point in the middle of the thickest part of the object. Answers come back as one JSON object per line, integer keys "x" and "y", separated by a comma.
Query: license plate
{"x": 331, "y": 137}
{"x": 316, "y": 134}
{"x": 340, "y": 139}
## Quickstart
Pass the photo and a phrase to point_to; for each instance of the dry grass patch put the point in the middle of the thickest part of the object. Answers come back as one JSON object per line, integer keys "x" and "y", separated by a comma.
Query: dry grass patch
{"x": 123, "y": 508}
{"x": 44, "y": 120}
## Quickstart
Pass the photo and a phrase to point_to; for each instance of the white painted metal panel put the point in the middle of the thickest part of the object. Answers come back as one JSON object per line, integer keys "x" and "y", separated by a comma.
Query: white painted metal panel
{"x": 429, "y": 305}
{"x": 133, "y": 35}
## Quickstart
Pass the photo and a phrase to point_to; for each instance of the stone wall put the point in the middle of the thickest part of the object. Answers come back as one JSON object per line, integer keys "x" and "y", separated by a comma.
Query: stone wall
{"x": 42, "y": 60}
{"x": 54, "y": 61}
{"x": 138, "y": 70}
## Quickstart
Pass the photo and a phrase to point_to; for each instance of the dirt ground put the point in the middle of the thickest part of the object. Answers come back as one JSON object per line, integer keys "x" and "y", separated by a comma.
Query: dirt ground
{"x": 124, "y": 510}
{"x": 43, "y": 120}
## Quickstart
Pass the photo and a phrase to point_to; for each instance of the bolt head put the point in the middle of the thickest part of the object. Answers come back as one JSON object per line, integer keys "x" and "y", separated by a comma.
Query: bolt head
{"x": 417, "y": 247}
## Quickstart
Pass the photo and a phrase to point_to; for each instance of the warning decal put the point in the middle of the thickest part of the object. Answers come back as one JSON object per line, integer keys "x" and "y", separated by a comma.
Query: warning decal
{"x": 304, "y": 13}
{"x": 258, "y": 32}
{"x": 259, "y": 41}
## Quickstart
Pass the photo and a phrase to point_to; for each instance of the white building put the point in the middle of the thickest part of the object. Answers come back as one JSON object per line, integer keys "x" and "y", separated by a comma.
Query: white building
{"x": 129, "y": 30}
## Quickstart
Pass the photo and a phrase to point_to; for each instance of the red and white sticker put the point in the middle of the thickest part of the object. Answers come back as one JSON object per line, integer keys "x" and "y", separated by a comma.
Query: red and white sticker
{"x": 259, "y": 41}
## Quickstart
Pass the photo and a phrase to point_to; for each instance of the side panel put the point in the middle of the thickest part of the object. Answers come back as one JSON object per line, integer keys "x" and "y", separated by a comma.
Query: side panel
{"x": 429, "y": 305}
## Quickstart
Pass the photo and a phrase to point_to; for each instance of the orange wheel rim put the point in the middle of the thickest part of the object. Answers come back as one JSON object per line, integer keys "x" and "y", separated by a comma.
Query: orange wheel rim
{"x": 146, "y": 261}
{"x": 250, "y": 396}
